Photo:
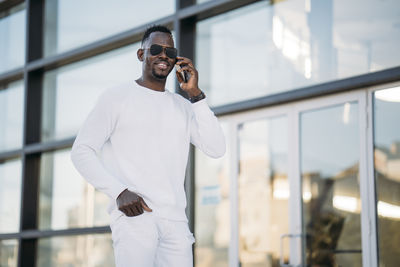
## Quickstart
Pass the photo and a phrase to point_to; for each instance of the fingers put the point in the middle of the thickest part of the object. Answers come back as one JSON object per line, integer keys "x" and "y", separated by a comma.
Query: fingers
{"x": 135, "y": 208}
{"x": 187, "y": 68}
{"x": 179, "y": 77}
{"x": 144, "y": 205}
{"x": 184, "y": 61}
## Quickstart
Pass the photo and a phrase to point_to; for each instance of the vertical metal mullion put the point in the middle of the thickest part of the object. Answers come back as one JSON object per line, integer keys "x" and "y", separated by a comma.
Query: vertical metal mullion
{"x": 364, "y": 182}
{"x": 185, "y": 43}
{"x": 187, "y": 30}
{"x": 186, "y": 3}
{"x": 31, "y": 132}
{"x": 370, "y": 174}
{"x": 177, "y": 30}
{"x": 297, "y": 246}
{"x": 233, "y": 250}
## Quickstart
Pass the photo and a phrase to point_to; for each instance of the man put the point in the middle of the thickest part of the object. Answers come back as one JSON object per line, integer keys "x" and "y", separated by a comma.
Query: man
{"x": 134, "y": 147}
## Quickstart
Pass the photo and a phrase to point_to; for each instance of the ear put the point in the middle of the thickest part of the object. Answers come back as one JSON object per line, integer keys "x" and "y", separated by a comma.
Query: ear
{"x": 140, "y": 54}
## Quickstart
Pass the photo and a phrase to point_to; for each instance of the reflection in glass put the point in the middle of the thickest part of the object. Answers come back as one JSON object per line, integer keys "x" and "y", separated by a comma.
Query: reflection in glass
{"x": 72, "y": 23}
{"x": 297, "y": 43}
{"x": 212, "y": 217}
{"x": 11, "y": 115}
{"x": 387, "y": 173}
{"x": 66, "y": 199}
{"x": 8, "y": 253}
{"x": 78, "y": 251}
{"x": 329, "y": 154}
{"x": 70, "y": 92}
{"x": 12, "y": 38}
{"x": 263, "y": 191}
{"x": 10, "y": 195}
{"x": 201, "y": 1}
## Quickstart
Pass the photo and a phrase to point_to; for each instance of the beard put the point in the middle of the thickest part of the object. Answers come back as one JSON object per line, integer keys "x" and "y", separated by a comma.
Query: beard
{"x": 159, "y": 76}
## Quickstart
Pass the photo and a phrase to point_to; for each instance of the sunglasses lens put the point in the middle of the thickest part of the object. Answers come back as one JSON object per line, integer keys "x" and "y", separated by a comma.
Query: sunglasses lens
{"x": 155, "y": 49}
{"x": 171, "y": 52}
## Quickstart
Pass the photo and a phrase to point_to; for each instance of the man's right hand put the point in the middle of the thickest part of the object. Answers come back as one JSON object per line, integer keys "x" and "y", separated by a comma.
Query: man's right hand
{"x": 131, "y": 204}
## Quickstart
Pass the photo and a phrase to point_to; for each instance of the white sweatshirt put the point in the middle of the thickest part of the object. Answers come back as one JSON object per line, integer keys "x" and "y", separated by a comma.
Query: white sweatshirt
{"x": 138, "y": 139}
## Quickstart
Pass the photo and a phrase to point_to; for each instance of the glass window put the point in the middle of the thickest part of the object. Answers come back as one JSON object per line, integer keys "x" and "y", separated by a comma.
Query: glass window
{"x": 263, "y": 191}
{"x": 10, "y": 195}
{"x": 66, "y": 199}
{"x": 329, "y": 164}
{"x": 296, "y": 43}
{"x": 387, "y": 173}
{"x": 79, "y": 251}
{"x": 9, "y": 253}
{"x": 11, "y": 115}
{"x": 70, "y": 92}
{"x": 212, "y": 217}
{"x": 12, "y": 38}
{"x": 72, "y": 23}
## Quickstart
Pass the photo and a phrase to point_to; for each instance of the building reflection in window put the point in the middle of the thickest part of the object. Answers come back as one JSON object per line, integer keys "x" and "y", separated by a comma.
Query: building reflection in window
{"x": 8, "y": 253}
{"x": 11, "y": 115}
{"x": 296, "y": 43}
{"x": 73, "y": 23}
{"x": 387, "y": 173}
{"x": 329, "y": 154}
{"x": 212, "y": 208}
{"x": 263, "y": 191}
{"x": 66, "y": 199}
{"x": 12, "y": 38}
{"x": 10, "y": 195}
{"x": 79, "y": 251}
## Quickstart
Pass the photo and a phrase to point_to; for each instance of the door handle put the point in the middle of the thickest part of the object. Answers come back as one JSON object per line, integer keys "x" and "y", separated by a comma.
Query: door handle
{"x": 281, "y": 260}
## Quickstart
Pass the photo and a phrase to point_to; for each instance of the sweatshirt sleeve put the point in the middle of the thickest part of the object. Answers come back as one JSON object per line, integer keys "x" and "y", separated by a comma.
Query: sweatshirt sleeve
{"x": 94, "y": 133}
{"x": 205, "y": 131}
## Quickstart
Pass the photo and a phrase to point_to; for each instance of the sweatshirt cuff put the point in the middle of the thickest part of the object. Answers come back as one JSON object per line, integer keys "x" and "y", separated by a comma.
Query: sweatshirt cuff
{"x": 200, "y": 105}
{"x": 200, "y": 102}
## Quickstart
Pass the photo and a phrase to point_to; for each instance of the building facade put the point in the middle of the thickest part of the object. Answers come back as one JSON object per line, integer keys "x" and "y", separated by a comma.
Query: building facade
{"x": 308, "y": 94}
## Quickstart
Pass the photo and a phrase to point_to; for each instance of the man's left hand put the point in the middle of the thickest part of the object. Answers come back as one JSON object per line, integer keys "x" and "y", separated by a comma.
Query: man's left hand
{"x": 191, "y": 86}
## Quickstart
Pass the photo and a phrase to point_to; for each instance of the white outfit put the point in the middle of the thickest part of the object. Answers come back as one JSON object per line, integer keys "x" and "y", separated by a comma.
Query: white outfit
{"x": 138, "y": 138}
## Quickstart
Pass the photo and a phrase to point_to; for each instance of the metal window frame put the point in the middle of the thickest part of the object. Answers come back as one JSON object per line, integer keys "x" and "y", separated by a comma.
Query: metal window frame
{"x": 183, "y": 20}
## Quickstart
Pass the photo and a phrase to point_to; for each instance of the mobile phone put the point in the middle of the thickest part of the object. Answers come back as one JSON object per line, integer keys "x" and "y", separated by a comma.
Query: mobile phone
{"x": 183, "y": 74}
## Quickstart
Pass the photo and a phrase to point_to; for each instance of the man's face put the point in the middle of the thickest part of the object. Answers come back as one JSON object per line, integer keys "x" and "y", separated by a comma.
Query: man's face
{"x": 157, "y": 66}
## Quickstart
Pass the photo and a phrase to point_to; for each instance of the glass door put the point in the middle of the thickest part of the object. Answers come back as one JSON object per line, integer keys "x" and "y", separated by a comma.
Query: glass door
{"x": 261, "y": 188}
{"x": 330, "y": 156}
{"x": 385, "y": 168}
{"x": 299, "y": 185}
{"x": 263, "y": 193}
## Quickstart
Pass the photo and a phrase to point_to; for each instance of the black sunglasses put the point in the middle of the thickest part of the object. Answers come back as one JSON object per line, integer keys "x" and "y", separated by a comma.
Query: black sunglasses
{"x": 156, "y": 49}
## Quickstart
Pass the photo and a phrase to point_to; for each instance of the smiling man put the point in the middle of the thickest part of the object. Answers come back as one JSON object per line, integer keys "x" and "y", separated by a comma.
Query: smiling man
{"x": 134, "y": 147}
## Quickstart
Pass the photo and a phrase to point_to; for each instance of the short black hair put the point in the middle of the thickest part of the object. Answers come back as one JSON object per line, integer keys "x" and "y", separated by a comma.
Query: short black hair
{"x": 155, "y": 28}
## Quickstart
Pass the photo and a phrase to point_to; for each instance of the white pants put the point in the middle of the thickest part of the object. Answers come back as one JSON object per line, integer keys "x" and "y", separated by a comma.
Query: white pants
{"x": 147, "y": 241}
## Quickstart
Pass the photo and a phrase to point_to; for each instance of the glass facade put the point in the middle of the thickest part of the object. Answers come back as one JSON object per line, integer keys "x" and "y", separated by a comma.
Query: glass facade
{"x": 68, "y": 27}
{"x": 9, "y": 253}
{"x": 80, "y": 251}
{"x": 12, "y": 36}
{"x": 212, "y": 217}
{"x": 263, "y": 191}
{"x": 297, "y": 173}
{"x": 264, "y": 49}
{"x": 66, "y": 200}
{"x": 11, "y": 115}
{"x": 10, "y": 195}
{"x": 329, "y": 153}
{"x": 387, "y": 173}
